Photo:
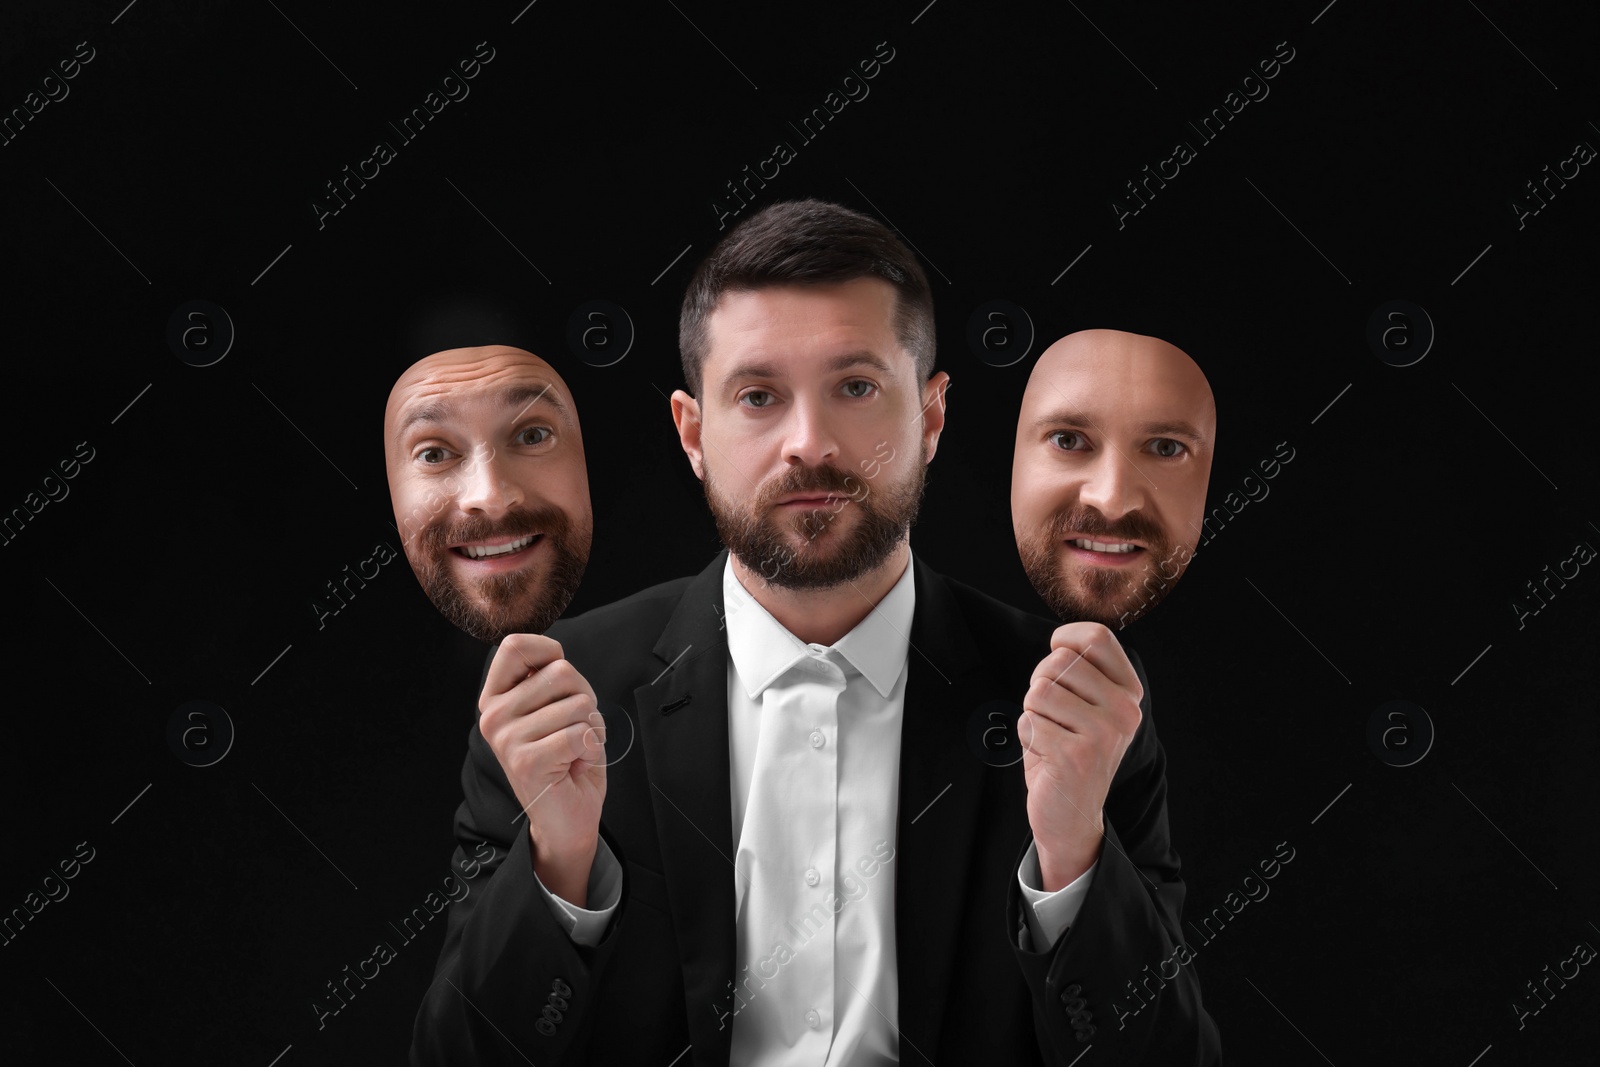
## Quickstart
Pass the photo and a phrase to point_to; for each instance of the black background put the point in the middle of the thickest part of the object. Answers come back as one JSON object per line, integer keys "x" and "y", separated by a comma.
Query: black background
{"x": 1382, "y": 565}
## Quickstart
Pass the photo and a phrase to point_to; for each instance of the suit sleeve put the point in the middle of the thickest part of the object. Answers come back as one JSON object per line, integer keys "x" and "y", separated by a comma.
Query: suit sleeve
{"x": 510, "y": 986}
{"x": 1121, "y": 978}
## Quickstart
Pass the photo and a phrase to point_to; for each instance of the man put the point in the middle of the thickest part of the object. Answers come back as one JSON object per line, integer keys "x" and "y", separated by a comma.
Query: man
{"x": 797, "y": 854}
{"x": 1108, "y": 482}
{"x": 489, "y": 487}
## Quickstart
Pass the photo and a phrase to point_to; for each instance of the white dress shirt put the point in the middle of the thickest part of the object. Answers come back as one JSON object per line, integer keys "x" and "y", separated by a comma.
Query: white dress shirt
{"x": 814, "y": 760}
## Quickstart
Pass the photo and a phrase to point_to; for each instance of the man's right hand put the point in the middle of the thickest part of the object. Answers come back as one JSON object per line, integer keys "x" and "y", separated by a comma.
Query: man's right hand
{"x": 541, "y": 720}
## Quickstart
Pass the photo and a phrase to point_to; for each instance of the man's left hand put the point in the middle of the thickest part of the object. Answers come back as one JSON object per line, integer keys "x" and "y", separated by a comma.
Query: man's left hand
{"x": 1080, "y": 713}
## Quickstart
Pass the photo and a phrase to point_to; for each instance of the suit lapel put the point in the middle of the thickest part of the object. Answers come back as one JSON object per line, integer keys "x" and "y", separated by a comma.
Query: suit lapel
{"x": 941, "y": 785}
{"x": 683, "y": 724}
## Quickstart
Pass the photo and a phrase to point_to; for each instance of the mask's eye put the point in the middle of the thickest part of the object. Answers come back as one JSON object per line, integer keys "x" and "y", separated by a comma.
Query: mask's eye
{"x": 535, "y": 435}
{"x": 1068, "y": 440}
{"x": 1167, "y": 448}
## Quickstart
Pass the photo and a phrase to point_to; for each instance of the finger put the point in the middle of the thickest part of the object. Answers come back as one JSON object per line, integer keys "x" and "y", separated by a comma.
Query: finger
{"x": 554, "y": 681}
{"x": 542, "y": 722}
{"x": 1100, "y": 647}
{"x": 518, "y": 656}
{"x": 1044, "y": 737}
{"x": 1060, "y": 707}
{"x": 1069, "y": 669}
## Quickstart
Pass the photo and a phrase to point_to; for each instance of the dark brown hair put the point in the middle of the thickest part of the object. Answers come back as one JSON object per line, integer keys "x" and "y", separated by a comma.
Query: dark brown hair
{"x": 807, "y": 242}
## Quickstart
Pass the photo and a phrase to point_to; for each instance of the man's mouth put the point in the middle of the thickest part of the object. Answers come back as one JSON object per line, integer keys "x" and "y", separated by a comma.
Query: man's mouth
{"x": 492, "y": 549}
{"x": 815, "y": 500}
{"x": 1114, "y": 547}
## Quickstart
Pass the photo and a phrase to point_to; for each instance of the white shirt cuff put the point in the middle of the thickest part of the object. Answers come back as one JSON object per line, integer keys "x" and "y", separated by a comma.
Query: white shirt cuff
{"x": 1049, "y": 914}
{"x": 586, "y": 926}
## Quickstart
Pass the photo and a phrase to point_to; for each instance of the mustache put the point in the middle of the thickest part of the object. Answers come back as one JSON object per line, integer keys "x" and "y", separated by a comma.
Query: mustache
{"x": 823, "y": 479}
{"x": 551, "y": 521}
{"x": 1083, "y": 519}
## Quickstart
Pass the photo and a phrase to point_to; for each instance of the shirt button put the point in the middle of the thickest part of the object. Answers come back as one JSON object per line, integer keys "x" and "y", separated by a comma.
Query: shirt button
{"x": 813, "y": 1020}
{"x": 812, "y": 877}
{"x": 816, "y": 739}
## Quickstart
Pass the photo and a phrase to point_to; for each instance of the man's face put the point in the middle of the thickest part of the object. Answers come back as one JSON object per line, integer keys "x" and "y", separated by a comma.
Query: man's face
{"x": 812, "y": 432}
{"x": 490, "y": 491}
{"x": 1108, "y": 482}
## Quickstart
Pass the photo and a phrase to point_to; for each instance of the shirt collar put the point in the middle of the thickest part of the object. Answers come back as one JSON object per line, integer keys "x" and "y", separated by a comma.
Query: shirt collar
{"x": 762, "y": 649}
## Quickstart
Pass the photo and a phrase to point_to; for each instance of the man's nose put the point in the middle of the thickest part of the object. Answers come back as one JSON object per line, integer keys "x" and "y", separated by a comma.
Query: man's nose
{"x": 484, "y": 485}
{"x": 1114, "y": 485}
{"x": 810, "y": 438}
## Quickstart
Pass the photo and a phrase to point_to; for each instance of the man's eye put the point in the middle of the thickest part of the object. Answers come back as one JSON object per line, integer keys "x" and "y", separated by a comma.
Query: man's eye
{"x": 858, "y": 388}
{"x": 1167, "y": 448}
{"x": 756, "y": 398}
{"x": 535, "y": 435}
{"x": 1068, "y": 440}
{"x": 432, "y": 455}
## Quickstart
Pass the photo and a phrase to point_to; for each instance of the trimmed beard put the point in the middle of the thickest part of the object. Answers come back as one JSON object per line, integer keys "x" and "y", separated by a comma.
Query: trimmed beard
{"x": 569, "y": 548}
{"x": 829, "y": 555}
{"x": 1111, "y": 597}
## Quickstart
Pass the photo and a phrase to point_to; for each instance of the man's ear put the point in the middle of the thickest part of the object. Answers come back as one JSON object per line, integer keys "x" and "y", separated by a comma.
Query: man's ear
{"x": 933, "y": 394}
{"x": 686, "y": 417}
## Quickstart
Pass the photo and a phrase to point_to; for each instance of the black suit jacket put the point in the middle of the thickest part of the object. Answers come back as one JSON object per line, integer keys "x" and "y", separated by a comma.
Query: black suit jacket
{"x": 511, "y": 986}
